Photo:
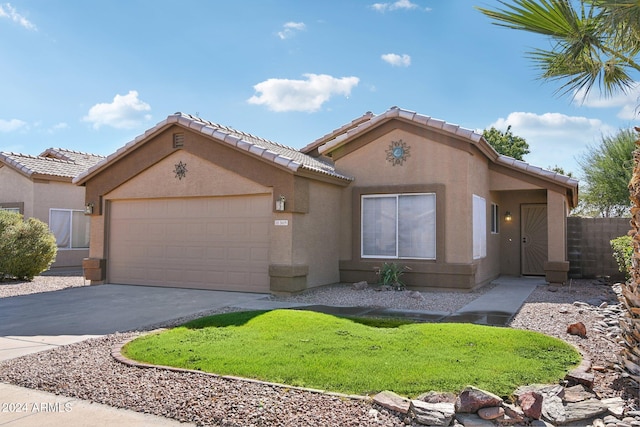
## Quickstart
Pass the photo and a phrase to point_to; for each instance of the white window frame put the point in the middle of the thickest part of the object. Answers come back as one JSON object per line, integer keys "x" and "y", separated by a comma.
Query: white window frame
{"x": 70, "y": 247}
{"x": 397, "y": 196}
{"x": 479, "y": 227}
{"x": 495, "y": 218}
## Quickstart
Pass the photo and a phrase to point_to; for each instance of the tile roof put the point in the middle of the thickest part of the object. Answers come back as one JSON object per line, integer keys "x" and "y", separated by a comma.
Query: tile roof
{"x": 271, "y": 151}
{"x": 340, "y": 136}
{"x": 53, "y": 162}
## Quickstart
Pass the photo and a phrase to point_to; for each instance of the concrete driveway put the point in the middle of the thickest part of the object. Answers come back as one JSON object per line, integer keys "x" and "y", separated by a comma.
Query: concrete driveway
{"x": 104, "y": 309}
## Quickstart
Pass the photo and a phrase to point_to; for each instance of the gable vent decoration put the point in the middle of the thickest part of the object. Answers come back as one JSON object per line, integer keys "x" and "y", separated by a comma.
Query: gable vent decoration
{"x": 180, "y": 170}
{"x": 398, "y": 152}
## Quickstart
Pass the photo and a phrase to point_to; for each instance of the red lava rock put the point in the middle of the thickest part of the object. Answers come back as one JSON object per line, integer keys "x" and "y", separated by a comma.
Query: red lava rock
{"x": 577, "y": 329}
{"x": 531, "y": 404}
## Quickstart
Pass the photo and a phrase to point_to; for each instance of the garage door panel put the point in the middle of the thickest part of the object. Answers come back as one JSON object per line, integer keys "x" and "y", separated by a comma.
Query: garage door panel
{"x": 209, "y": 243}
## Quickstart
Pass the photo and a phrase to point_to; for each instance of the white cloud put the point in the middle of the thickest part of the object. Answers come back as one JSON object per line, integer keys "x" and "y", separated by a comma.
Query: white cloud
{"x": 627, "y": 103}
{"x": 58, "y": 127}
{"x": 290, "y": 28}
{"x": 554, "y": 138}
{"x": 301, "y": 95}
{"x": 125, "y": 112}
{"x": 397, "y": 60}
{"x": 11, "y": 125}
{"x": 397, "y": 5}
{"x": 8, "y": 11}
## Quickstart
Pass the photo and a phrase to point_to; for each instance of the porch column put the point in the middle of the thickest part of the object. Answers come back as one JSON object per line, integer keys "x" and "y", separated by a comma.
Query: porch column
{"x": 557, "y": 266}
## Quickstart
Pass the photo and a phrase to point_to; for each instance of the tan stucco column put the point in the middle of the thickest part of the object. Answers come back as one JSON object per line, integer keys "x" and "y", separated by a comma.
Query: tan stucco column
{"x": 557, "y": 266}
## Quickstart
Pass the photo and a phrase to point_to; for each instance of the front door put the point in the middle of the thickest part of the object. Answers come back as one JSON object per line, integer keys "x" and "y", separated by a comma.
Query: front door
{"x": 533, "y": 232}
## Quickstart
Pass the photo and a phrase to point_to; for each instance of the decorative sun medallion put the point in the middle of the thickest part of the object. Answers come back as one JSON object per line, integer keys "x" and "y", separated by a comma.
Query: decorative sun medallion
{"x": 398, "y": 152}
{"x": 180, "y": 170}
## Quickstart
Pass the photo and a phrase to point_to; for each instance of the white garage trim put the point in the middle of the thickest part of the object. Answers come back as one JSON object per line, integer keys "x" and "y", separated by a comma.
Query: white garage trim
{"x": 217, "y": 243}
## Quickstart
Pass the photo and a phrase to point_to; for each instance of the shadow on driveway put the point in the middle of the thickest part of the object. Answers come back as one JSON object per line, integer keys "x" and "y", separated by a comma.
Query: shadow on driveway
{"x": 105, "y": 309}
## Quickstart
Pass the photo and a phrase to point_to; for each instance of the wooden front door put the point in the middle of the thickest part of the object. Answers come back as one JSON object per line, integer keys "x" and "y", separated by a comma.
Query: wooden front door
{"x": 533, "y": 234}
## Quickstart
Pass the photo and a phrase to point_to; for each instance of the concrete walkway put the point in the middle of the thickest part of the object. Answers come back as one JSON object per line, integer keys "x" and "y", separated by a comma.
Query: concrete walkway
{"x": 31, "y": 408}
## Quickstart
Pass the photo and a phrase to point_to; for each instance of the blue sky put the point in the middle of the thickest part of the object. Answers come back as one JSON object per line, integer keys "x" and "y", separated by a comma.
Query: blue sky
{"x": 92, "y": 75}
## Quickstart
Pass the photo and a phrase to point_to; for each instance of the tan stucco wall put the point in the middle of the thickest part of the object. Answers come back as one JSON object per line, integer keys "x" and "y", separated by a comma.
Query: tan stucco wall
{"x": 16, "y": 187}
{"x": 39, "y": 197}
{"x": 430, "y": 162}
{"x": 308, "y": 240}
{"x": 316, "y": 240}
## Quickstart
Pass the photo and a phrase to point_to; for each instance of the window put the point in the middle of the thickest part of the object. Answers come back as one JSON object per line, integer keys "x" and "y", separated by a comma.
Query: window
{"x": 495, "y": 219}
{"x": 70, "y": 227}
{"x": 399, "y": 226}
{"x": 15, "y": 210}
{"x": 479, "y": 227}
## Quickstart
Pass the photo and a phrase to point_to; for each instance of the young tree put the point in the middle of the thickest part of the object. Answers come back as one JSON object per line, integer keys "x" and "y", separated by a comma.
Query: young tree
{"x": 506, "y": 143}
{"x": 592, "y": 41}
{"x": 607, "y": 171}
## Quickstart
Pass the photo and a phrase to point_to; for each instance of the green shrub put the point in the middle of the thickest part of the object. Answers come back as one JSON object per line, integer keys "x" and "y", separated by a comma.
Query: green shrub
{"x": 390, "y": 274}
{"x": 623, "y": 253}
{"x": 27, "y": 247}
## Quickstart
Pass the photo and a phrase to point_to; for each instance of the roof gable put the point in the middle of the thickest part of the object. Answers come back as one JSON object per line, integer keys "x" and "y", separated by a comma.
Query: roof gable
{"x": 278, "y": 154}
{"x": 53, "y": 163}
{"x": 366, "y": 123}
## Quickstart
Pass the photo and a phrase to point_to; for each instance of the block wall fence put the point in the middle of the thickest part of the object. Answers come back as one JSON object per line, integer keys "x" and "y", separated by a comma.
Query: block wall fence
{"x": 588, "y": 247}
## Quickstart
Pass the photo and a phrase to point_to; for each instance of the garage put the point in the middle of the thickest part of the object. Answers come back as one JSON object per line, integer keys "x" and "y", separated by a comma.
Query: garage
{"x": 217, "y": 243}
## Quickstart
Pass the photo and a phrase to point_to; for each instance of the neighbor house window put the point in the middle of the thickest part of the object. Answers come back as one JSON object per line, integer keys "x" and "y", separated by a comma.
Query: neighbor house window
{"x": 495, "y": 219}
{"x": 399, "y": 226}
{"x": 479, "y": 227}
{"x": 70, "y": 227}
{"x": 15, "y": 210}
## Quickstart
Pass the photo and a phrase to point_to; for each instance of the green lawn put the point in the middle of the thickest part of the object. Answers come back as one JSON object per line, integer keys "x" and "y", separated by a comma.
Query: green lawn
{"x": 359, "y": 356}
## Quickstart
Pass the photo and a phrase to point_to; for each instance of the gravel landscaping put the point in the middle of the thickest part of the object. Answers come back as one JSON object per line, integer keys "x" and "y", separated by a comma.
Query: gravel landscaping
{"x": 87, "y": 370}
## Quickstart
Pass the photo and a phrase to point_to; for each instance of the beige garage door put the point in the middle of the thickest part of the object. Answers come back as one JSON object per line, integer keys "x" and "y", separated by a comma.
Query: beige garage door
{"x": 206, "y": 243}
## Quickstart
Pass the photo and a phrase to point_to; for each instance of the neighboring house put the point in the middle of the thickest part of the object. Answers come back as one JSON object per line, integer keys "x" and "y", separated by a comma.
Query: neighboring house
{"x": 41, "y": 187}
{"x": 194, "y": 204}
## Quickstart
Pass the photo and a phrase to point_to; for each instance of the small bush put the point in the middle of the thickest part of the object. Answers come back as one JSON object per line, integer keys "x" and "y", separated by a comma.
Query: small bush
{"x": 27, "y": 247}
{"x": 623, "y": 253}
{"x": 390, "y": 274}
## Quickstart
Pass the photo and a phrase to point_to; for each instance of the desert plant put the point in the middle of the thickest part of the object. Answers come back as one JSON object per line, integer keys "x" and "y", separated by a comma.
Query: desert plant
{"x": 390, "y": 274}
{"x": 27, "y": 247}
{"x": 623, "y": 252}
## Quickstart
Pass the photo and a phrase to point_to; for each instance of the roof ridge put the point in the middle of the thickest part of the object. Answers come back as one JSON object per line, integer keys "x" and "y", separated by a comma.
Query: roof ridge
{"x": 68, "y": 150}
{"x": 235, "y": 131}
{"x": 30, "y": 156}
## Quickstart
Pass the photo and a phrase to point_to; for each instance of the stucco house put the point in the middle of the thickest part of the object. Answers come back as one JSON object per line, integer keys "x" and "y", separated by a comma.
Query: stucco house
{"x": 41, "y": 187}
{"x": 191, "y": 203}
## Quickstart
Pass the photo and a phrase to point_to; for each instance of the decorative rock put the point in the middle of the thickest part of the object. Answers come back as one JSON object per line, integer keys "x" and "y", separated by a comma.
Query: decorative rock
{"x": 472, "y": 420}
{"x": 416, "y": 295}
{"x": 393, "y": 401}
{"x": 577, "y": 393}
{"x": 491, "y": 413}
{"x": 597, "y": 423}
{"x": 615, "y": 405}
{"x": 581, "y": 377}
{"x": 540, "y": 423}
{"x": 578, "y": 329}
{"x": 531, "y": 404}
{"x": 471, "y": 399}
{"x": 553, "y": 410}
{"x": 432, "y": 414}
{"x": 584, "y": 410}
{"x": 359, "y": 286}
{"x": 544, "y": 389}
{"x": 514, "y": 413}
{"x": 437, "y": 397}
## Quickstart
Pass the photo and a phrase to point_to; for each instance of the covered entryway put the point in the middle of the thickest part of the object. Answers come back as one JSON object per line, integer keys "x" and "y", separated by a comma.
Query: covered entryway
{"x": 219, "y": 243}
